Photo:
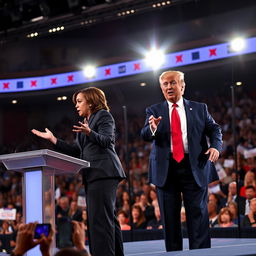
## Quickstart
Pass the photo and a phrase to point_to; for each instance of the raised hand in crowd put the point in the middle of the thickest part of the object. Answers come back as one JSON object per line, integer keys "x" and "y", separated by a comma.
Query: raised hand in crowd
{"x": 78, "y": 235}
{"x": 25, "y": 240}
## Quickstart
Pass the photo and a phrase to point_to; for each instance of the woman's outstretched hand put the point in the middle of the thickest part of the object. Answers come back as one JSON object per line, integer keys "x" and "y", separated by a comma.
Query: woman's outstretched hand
{"x": 48, "y": 135}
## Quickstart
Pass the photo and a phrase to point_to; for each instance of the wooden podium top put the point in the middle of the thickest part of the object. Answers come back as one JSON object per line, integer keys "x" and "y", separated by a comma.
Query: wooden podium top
{"x": 47, "y": 159}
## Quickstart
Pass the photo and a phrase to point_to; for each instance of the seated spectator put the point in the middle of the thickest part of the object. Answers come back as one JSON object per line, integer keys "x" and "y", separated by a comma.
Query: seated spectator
{"x": 74, "y": 212}
{"x": 249, "y": 180}
{"x": 249, "y": 220}
{"x": 225, "y": 219}
{"x": 62, "y": 208}
{"x": 126, "y": 207}
{"x": 84, "y": 220}
{"x": 232, "y": 206}
{"x": 155, "y": 223}
{"x": 146, "y": 207}
{"x": 250, "y": 193}
{"x": 213, "y": 215}
{"x": 6, "y": 228}
{"x": 123, "y": 220}
{"x": 71, "y": 190}
{"x": 215, "y": 198}
{"x": 25, "y": 241}
{"x": 125, "y": 202}
{"x": 7, "y": 241}
{"x": 232, "y": 197}
{"x": 153, "y": 197}
{"x": 17, "y": 221}
{"x": 138, "y": 218}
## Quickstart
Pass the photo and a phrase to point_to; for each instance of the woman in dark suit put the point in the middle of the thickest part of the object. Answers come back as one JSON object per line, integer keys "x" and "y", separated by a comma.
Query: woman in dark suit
{"x": 96, "y": 143}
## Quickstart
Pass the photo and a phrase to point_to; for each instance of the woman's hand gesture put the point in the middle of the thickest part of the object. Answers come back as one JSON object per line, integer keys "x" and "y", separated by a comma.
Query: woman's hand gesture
{"x": 48, "y": 135}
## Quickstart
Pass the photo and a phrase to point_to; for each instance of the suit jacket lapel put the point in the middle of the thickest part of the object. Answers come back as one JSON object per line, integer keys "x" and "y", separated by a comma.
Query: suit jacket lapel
{"x": 189, "y": 117}
{"x": 91, "y": 119}
{"x": 81, "y": 138}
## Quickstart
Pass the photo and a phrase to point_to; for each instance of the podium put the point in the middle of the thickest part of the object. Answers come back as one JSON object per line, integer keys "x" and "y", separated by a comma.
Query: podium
{"x": 39, "y": 168}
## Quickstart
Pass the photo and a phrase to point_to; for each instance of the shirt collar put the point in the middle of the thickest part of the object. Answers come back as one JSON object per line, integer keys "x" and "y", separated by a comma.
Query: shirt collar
{"x": 180, "y": 103}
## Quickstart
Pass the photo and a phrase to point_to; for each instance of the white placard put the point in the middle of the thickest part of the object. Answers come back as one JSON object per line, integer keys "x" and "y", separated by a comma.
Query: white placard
{"x": 215, "y": 189}
{"x": 229, "y": 163}
{"x": 249, "y": 153}
{"x": 7, "y": 214}
{"x": 81, "y": 201}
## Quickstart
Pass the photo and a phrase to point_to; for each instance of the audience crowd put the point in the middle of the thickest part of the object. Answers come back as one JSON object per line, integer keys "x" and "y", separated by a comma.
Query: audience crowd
{"x": 137, "y": 204}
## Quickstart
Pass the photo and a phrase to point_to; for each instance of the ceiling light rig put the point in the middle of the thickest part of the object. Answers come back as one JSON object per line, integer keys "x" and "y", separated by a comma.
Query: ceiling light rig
{"x": 57, "y": 29}
{"x": 161, "y": 4}
{"x": 127, "y": 12}
{"x": 88, "y": 22}
{"x": 31, "y": 35}
{"x": 71, "y": 15}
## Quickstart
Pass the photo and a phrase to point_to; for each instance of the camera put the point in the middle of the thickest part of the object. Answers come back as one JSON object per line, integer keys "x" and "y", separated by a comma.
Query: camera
{"x": 42, "y": 229}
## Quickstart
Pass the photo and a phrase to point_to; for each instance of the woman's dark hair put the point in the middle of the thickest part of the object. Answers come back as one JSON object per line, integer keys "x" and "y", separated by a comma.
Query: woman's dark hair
{"x": 141, "y": 218}
{"x": 95, "y": 97}
{"x": 71, "y": 252}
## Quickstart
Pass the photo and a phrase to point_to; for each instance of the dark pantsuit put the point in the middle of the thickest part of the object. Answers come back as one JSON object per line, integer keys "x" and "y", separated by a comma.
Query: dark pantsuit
{"x": 105, "y": 237}
{"x": 180, "y": 179}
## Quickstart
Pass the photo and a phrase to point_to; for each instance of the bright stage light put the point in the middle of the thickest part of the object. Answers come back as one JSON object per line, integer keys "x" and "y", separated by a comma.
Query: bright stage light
{"x": 155, "y": 58}
{"x": 237, "y": 44}
{"x": 89, "y": 71}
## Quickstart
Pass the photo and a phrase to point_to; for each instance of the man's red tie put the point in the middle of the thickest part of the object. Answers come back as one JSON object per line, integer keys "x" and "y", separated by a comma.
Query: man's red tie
{"x": 177, "y": 144}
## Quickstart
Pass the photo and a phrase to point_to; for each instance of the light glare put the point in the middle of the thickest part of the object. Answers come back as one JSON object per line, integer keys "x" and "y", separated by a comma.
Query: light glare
{"x": 155, "y": 58}
{"x": 238, "y": 44}
{"x": 89, "y": 71}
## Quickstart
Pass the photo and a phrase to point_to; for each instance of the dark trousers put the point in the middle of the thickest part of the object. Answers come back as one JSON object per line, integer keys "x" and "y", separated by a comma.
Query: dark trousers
{"x": 105, "y": 237}
{"x": 180, "y": 179}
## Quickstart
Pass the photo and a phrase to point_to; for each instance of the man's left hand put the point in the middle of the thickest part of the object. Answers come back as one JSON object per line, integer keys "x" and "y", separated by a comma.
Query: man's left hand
{"x": 214, "y": 154}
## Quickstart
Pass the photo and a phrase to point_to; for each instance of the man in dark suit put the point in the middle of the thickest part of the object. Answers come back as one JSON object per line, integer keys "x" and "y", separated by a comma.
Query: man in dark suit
{"x": 232, "y": 197}
{"x": 181, "y": 160}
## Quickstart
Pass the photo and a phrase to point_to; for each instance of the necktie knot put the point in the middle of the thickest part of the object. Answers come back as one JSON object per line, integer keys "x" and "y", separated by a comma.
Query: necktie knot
{"x": 174, "y": 105}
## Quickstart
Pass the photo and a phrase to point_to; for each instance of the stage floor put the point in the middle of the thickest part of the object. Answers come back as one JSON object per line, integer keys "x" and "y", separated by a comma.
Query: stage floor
{"x": 220, "y": 247}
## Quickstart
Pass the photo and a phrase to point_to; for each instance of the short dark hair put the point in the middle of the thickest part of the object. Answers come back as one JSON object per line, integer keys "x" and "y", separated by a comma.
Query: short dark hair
{"x": 250, "y": 187}
{"x": 71, "y": 251}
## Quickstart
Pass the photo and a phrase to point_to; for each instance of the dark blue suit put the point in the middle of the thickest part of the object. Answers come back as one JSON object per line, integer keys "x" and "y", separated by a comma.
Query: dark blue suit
{"x": 101, "y": 181}
{"x": 190, "y": 177}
